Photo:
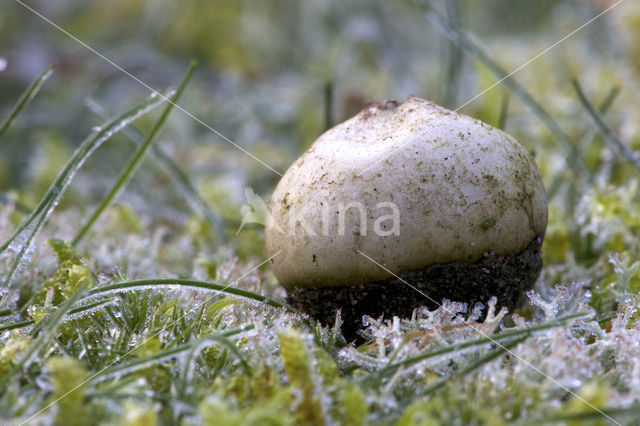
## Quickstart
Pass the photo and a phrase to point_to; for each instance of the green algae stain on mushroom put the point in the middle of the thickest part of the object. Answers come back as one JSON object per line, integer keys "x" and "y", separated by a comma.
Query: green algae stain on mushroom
{"x": 489, "y": 223}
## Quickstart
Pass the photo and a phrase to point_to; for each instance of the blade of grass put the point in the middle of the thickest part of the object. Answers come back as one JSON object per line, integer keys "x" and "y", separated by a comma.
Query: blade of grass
{"x": 587, "y": 136}
{"x": 474, "y": 366}
{"x": 604, "y": 128}
{"x": 25, "y": 98}
{"x": 456, "y": 35}
{"x": 454, "y": 59}
{"x": 158, "y": 283}
{"x": 90, "y": 307}
{"x": 586, "y": 415}
{"x": 328, "y": 104}
{"x": 31, "y": 225}
{"x": 504, "y": 111}
{"x": 15, "y": 325}
{"x": 112, "y": 389}
{"x": 181, "y": 179}
{"x": 31, "y": 235}
{"x": 391, "y": 369}
{"x": 590, "y": 133}
{"x": 82, "y": 310}
{"x": 609, "y": 99}
{"x": 134, "y": 161}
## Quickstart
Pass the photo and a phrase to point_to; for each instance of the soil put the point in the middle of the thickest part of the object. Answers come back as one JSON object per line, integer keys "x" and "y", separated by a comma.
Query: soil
{"x": 506, "y": 277}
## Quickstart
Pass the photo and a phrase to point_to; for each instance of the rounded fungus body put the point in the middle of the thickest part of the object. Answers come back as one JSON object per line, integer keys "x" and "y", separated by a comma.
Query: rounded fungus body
{"x": 404, "y": 205}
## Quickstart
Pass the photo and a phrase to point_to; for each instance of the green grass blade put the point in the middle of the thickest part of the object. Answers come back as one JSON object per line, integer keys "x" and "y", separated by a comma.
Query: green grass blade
{"x": 504, "y": 111}
{"x": 158, "y": 283}
{"x": 25, "y": 98}
{"x": 26, "y": 232}
{"x": 586, "y": 138}
{"x": 604, "y": 128}
{"x": 187, "y": 370}
{"x": 455, "y": 59}
{"x": 31, "y": 235}
{"x": 80, "y": 310}
{"x": 609, "y": 99}
{"x": 587, "y": 415}
{"x": 134, "y": 161}
{"x": 328, "y": 104}
{"x": 13, "y": 326}
{"x": 391, "y": 369}
{"x": 456, "y": 35}
{"x": 90, "y": 307}
{"x": 499, "y": 351}
{"x": 590, "y": 134}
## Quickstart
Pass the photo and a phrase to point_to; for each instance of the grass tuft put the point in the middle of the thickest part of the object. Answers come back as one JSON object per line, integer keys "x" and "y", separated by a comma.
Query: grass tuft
{"x": 602, "y": 125}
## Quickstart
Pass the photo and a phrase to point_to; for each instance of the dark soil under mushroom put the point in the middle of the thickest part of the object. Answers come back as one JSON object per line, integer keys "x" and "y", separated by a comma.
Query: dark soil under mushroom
{"x": 506, "y": 277}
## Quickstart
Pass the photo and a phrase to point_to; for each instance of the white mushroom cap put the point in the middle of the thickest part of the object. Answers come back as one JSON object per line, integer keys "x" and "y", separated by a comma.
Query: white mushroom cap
{"x": 462, "y": 188}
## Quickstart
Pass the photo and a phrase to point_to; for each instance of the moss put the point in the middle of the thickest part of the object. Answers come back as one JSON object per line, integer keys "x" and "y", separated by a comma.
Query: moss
{"x": 68, "y": 375}
{"x": 488, "y": 224}
{"x": 591, "y": 396}
{"x": 125, "y": 219}
{"x": 136, "y": 415}
{"x": 297, "y": 364}
{"x": 10, "y": 352}
{"x": 71, "y": 275}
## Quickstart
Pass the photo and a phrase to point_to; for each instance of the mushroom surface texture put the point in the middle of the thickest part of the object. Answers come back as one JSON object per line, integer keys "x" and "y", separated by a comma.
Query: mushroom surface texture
{"x": 403, "y": 194}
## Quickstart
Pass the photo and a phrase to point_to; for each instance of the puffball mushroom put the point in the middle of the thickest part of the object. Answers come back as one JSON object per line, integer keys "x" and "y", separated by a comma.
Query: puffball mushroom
{"x": 445, "y": 202}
